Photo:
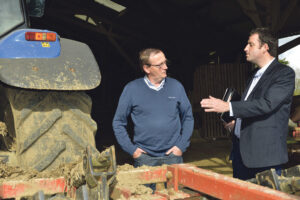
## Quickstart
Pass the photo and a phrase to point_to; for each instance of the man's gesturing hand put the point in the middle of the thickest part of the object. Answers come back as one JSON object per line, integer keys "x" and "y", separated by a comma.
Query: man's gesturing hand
{"x": 214, "y": 105}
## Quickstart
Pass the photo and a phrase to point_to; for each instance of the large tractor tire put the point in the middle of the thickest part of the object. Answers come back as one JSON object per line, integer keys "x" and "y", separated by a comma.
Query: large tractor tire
{"x": 48, "y": 128}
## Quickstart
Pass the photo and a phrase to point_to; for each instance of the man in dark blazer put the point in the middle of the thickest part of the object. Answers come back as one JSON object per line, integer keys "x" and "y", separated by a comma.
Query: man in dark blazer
{"x": 262, "y": 114}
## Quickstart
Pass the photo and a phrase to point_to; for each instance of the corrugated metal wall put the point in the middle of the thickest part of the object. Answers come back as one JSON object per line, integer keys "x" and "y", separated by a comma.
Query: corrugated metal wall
{"x": 213, "y": 80}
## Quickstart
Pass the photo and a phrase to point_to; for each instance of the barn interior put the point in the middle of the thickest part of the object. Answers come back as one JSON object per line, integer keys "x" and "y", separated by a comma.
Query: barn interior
{"x": 197, "y": 36}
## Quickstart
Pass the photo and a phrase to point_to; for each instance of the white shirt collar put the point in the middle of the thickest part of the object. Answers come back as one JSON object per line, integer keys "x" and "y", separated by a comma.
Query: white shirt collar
{"x": 151, "y": 86}
{"x": 260, "y": 72}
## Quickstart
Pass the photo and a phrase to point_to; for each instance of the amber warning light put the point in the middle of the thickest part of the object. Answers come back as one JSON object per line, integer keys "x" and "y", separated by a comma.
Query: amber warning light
{"x": 40, "y": 36}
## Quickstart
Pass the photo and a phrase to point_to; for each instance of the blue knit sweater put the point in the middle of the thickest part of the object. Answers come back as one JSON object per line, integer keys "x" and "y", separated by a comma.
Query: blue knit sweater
{"x": 162, "y": 119}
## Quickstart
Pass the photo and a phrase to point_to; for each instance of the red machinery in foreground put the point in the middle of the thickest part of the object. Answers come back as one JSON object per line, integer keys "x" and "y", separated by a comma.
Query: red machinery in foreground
{"x": 185, "y": 181}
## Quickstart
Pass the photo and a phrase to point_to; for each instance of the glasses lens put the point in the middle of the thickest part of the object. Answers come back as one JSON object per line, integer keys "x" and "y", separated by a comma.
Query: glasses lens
{"x": 166, "y": 62}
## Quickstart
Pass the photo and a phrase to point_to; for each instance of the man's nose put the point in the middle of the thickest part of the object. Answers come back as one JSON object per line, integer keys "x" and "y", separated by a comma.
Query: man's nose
{"x": 164, "y": 66}
{"x": 246, "y": 48}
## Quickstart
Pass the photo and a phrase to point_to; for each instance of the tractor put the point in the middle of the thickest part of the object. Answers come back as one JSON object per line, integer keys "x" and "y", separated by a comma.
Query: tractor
{"x": 42, "y": 92}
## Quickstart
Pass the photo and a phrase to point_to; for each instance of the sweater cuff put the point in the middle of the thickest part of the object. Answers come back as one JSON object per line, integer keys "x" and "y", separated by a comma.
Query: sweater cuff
{"x": 132, "y": 149}
{"x": 181, "y": 147}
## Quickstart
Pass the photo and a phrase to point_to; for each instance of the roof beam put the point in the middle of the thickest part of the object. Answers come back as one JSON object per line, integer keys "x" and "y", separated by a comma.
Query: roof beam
{"x": 271, "y": 15}
{"x": 112, "y": 5}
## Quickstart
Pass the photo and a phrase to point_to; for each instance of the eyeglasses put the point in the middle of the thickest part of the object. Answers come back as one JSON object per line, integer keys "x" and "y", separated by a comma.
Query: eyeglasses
{"x": 159, "y": 65}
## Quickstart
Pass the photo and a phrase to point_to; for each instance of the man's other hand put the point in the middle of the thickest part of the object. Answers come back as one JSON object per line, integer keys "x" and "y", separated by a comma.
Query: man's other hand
{"x": 214, "y": 105}
{"x": 175, "y": 150}
{"x": 138, "y": 152}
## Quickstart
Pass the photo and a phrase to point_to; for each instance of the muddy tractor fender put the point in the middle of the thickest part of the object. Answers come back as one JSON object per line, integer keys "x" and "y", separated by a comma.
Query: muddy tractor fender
{"x": 75, "y": 68}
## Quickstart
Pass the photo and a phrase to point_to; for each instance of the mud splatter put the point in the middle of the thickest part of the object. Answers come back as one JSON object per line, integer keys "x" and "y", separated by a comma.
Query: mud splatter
{"x": 3, "y": 129}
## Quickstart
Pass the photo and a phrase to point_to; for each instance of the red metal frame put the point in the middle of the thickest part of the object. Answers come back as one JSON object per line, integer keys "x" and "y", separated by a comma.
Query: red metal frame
{"x": 220, "y": 186}
{"x": 144, "y": 175}
{"x": 203, "y": 181}
{"x": 15, "y": 189}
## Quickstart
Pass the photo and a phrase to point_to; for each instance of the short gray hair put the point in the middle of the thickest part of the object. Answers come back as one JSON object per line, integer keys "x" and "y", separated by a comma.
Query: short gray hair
{"x": 145, "y": 54}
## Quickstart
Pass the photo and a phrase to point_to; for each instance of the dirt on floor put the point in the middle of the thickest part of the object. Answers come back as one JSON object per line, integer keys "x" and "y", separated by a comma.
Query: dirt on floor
{"x": 133, "y": 184}
{"x": 72, "y": 172}
{"x": 210, "y": 154}
{"x": 74, "y": 175}
{"x": 3, "y": 129}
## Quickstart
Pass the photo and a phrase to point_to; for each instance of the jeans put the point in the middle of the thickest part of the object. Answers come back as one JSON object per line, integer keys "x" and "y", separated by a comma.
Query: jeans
{"x": 145, "y": 159}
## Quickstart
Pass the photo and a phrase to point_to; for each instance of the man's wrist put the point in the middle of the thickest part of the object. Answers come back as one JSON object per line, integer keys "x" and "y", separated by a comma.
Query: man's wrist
{"x": 227, "y": 107}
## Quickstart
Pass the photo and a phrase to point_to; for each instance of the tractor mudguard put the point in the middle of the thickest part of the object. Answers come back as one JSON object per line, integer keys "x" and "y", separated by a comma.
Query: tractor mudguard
{"x": 75, "y": 69}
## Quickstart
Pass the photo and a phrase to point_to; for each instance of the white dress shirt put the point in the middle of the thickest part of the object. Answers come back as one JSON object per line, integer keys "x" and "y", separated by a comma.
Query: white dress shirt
{"x": 255, "y": 80}
{"x": 153, "y": 87}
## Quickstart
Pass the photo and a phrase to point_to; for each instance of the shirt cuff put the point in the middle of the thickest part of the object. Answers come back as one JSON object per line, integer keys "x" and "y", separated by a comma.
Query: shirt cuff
{"x": 230, "y": 110}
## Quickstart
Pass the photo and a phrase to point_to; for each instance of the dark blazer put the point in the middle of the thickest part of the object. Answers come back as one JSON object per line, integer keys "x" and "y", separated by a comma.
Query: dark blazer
{"x": 265, "y": 116}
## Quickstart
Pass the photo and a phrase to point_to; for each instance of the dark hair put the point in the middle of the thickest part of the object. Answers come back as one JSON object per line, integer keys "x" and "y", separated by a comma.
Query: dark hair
{"x": 266, "y": 37}
{"x": 145, "y": 54}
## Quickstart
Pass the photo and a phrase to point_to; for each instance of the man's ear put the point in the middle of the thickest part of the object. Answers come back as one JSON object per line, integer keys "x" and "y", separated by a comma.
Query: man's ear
{"x": 266, "y": 46}
{"x": 146, "y": 69}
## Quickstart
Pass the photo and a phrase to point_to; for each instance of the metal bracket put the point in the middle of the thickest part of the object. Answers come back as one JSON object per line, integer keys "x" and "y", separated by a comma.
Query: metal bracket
{"x": 101, "y": 180}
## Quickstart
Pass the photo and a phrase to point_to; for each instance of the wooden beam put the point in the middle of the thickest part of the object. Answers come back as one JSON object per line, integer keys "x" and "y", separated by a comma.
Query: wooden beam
{"x": 112, "y": 5}
{"x": 100, "y": 29}
{"x": 80, "y": 23}
{"x": 274, "y": 16}
{"x": 90, "y": 9}
{"x": 117, "y": 46}
{"x": 251, "y": 11}
{"x": 286, "y": 13}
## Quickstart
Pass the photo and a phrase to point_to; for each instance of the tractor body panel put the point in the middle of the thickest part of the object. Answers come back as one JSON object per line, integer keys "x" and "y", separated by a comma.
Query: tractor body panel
{"x": 74, "y": 69}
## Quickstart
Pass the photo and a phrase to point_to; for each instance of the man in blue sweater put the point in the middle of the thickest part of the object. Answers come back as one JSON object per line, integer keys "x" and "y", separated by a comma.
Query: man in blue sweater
{"x": 160, "y": 111}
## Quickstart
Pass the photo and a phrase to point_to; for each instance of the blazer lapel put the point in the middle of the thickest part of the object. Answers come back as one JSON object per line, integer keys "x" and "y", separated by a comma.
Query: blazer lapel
{"x": 264, "y": 77}
{"x": 249, "y": 81}
{"x": 246, "y": 90}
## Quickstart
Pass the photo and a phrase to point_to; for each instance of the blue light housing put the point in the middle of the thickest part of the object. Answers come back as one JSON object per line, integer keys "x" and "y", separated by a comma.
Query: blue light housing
{"x": 14, "y": 45}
